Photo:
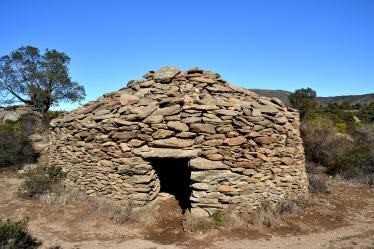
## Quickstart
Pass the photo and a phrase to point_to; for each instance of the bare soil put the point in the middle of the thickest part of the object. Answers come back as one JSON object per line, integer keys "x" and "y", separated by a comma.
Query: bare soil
{"x": 342, "y": 219}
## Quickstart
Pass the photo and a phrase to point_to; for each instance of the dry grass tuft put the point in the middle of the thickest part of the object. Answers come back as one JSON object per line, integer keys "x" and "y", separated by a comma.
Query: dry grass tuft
{"x": 196, "y": 224}
{"x": 318, "y": 184}
{"x": 266, "y": 215}
{"x": 118, "y": 212}
{"x": 110, "y": 210}
{"x": 63, "y": 196}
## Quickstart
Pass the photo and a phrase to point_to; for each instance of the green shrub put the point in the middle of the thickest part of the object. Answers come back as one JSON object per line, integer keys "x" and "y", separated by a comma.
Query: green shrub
{"x": 40, "y": 180}
{"x": 15, "y": 147}
{"x": 349, "y": 154}
{"x": 218, "y": 218}
{"x": 352, "y": 162}
{"x": 14, "y": 235}
{"x": 11, "y": 144}
{"x": 323, "y": 145}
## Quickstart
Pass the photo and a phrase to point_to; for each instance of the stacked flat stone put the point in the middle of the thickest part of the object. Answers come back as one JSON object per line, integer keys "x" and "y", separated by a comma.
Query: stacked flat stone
{"x": 244, "y": 149}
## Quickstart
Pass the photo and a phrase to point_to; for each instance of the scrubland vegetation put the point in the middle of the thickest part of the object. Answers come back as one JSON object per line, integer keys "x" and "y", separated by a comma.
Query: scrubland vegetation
{"x": 15, "y": 146}
{"x": 338, "y": 138}
{"x": 14, "y": 235}
{"x": 265, "y": 216}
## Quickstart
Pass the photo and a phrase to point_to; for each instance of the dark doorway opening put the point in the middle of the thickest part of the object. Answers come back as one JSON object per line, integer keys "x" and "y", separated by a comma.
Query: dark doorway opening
{"x": 175, "y": 178}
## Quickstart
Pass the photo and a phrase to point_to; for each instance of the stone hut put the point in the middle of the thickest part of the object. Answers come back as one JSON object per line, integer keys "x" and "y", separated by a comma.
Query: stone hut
{"x": 191, "y": 134}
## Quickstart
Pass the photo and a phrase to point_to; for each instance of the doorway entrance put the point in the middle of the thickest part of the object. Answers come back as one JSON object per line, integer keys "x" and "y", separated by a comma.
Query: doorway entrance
{"x": 175, "y": 178}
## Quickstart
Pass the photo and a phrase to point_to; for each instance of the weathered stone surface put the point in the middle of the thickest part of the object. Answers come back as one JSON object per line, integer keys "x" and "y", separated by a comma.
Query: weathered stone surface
{"x": 124, "y": 147}
{"x": 171, "y": 110}
{"x": 124, "y": 135}
{"x": 165, "y": 74}
{"x": 226, "y": 112}
{"x": 105, "y": 116}
{"x": 177, "y": 126}
{"x": 262, "y": 157}
{"x": 122, "y": 122}
{"x": 168, "y": 153}
{"x": 199, "y": 212}
{"x": 186, "y": 134}
{"x": 191, "y": 120}
{"x": 136, "y": 142}
{"x": 263, "y": 140}
{"x": 172, "y": 143}
{"x": 213, "y": 142}
{"x": 202, "y": 163}
{"x": 154, "y": 119}
{"x": 226, "y": 188}
{"x": 202, "y": 186}
{"x": 202, "y": 128}
{"x": 215, "y": 157}
{"x": 128, "y": 99}
{"x": 235, "y": 140}
{"x": 287, "y": 160}
{"x": 245, "y": 164}
{"x": 11, "y": 116}
{"x": 204, "y": 80}
{"x": 201, "y": 107}
{"x": 105, "y": 163}
{"x": 254, "y": 134}
{"x": 161, "y": 133}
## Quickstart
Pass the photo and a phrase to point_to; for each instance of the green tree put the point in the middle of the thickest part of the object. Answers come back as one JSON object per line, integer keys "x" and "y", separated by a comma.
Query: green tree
{"x": 304, "y": 100}
{"x": 40, "y": 80}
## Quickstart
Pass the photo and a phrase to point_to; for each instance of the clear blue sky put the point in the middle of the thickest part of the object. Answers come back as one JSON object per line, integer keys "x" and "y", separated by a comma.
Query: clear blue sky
{"x": 327, "y": 45}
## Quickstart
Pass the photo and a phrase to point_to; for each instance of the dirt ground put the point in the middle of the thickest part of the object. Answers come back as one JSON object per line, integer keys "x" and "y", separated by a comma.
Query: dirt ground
{"x": 342, "y": 219}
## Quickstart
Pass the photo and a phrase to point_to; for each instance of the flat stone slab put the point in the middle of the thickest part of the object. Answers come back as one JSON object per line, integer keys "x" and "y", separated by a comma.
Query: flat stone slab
{"x": 168, "y": 153}
{"x": 202, "y": 163}
{"x": 172, "y": 143}
{"x": 165, "y": 74}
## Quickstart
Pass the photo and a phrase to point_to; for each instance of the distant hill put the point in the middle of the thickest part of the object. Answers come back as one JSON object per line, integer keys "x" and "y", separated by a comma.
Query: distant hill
{"x": 353, "y": 99}
{"x": 280, "y": 94}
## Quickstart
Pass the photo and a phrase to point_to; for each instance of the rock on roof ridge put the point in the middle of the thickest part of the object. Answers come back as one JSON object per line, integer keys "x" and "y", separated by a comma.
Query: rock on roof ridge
{"x": 198, "y": 81}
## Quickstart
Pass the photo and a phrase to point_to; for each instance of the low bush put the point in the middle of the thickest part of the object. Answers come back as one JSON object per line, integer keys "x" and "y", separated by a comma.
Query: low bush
{"x": 265, "y": 214}
{"x": 322, "y": 144}
{"x": 15, "y": 146}
{"x": 40, "y": 180}
{"x": 318, "y": 184}
{"x": 218, "y": 218}
{"x": 350, "y": 155}
{"x": 11, "y": 144}
{"x": 14, "y": 235}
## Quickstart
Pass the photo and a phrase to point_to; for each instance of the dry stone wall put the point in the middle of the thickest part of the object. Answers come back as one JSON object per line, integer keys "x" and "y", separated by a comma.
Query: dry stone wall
{"x": 243, "y": 148}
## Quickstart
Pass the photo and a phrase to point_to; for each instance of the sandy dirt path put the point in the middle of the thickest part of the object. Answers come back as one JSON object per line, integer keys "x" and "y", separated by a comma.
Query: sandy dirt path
{"x": 343, "y": 219}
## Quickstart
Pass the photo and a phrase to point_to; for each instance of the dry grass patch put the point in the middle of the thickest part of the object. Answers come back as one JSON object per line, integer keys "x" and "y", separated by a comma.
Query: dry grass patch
{"x": 120, "y": 213}
{"x": 266, "y": 215}
{"x": 196, "y": 224}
